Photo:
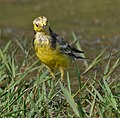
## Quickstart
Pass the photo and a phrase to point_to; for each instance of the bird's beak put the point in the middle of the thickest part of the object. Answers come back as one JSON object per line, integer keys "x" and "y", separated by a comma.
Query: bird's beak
{"x": 44, "y": 26}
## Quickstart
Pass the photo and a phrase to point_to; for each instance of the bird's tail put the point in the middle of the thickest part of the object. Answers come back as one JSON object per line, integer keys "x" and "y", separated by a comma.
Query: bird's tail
{"x": 75, "y": 54}
{"x": 77, "y": 57}
{"x": 76, "y": 51}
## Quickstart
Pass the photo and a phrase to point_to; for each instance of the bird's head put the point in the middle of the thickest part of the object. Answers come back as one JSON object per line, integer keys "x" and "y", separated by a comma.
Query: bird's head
{"x": 41, "y": 24}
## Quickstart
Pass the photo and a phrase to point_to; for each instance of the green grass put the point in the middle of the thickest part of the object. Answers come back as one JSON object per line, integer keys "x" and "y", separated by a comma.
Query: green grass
{"x": 28, "y": 91}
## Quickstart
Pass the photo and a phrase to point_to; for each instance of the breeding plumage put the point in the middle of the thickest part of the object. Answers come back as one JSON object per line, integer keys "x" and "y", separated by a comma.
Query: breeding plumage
{"x": 51, "y": 49}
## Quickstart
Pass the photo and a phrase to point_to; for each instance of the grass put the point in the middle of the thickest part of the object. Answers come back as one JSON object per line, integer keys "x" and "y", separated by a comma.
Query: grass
{"x": 28, "y": 91}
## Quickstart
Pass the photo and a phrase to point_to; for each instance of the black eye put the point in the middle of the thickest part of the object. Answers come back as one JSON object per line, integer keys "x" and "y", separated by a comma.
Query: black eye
{"x": 36, "y": 25}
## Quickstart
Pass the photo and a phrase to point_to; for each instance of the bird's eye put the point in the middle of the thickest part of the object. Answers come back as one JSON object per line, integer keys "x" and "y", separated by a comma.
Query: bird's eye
{"x": 36, "y": 25}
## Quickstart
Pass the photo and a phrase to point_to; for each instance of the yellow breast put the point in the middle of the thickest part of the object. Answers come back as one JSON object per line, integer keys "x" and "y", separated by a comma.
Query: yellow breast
{"x": 52, "y": 58}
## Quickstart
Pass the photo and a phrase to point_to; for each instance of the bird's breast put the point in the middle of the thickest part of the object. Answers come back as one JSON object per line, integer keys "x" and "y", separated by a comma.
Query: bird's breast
{"x": 50, "y": 57}
{"x": 42, "y": 39}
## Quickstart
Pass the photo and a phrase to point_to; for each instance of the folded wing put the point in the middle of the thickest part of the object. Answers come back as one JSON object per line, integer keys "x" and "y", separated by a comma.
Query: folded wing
{"x": 65, "y": 47}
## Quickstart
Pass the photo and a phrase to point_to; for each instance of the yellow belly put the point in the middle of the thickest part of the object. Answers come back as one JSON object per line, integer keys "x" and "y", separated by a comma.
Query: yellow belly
{"x": 52, "y": 58}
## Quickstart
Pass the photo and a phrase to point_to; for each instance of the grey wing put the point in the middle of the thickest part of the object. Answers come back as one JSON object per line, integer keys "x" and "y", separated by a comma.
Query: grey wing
{"x": 66, "y": 48}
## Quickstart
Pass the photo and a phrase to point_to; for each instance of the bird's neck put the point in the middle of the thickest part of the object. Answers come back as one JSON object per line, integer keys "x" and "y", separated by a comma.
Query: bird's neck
{"x": 46, "y": 31}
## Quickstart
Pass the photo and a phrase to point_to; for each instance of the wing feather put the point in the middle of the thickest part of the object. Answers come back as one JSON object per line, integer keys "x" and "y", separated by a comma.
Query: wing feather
{"x": 65, "y": 47}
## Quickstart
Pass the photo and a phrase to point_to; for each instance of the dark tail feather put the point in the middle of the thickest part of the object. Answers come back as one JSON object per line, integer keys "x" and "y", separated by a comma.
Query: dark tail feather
{"x": 77, "y": 51}
{"x": 77, "y": 57}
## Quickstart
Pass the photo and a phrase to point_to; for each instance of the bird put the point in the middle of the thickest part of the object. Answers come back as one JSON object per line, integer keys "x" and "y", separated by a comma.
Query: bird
{"x": 51, "y": 49}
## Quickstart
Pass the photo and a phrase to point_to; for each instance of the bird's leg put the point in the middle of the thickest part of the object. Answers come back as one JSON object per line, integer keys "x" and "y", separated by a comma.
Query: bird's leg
{"x": 51, "y": 72}
{"x": 62, "y": 74}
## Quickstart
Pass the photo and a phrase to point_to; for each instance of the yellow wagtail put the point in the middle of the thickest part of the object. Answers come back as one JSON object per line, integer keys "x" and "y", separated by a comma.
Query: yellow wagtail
{"x": 51, "y": 49}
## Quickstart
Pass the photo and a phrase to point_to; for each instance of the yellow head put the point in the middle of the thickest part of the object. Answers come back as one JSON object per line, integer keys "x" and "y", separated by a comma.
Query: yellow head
{"x": 41, "y": 24}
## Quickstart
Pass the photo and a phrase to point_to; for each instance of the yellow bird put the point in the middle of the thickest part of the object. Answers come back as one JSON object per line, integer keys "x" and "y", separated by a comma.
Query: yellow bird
{"x": 51, "y": 49}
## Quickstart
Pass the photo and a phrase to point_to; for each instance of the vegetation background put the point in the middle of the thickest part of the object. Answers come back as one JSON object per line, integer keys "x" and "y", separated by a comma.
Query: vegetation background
{"x": 91, "y": 88}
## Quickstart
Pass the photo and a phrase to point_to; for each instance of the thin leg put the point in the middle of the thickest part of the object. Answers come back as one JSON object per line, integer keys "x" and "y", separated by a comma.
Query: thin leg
{"x": 51, "y": 72}
{"x": 62, "y": 74}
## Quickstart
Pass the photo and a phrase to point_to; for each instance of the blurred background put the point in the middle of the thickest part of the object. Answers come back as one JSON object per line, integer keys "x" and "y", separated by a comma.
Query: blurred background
{"x": 96, "y": 22}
